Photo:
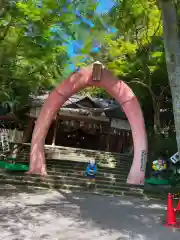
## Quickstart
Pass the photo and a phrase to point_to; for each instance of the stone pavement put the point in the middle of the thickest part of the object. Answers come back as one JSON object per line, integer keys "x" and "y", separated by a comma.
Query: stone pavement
{"x": 52, "y": 215}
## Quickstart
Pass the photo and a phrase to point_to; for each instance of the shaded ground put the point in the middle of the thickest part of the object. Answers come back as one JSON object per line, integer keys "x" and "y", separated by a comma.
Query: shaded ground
{"x": 53, "y": 215}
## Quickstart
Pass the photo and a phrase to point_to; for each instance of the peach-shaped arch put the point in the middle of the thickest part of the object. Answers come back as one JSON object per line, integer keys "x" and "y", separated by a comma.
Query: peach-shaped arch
{"x": 120, "y": 91}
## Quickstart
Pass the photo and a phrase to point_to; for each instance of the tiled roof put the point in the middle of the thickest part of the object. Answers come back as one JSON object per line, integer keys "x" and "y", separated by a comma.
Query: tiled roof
{"x": 36, "y": 101}
{"x": 111, "y": 106}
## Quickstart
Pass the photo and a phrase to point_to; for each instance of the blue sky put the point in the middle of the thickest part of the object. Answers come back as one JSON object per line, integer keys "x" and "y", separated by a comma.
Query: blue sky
{"x": 103, "y": 7}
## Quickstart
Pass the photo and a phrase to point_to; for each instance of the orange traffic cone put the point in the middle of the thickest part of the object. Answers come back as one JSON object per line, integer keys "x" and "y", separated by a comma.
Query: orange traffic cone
{"x": 178, "y": 207}
{"x": 171, "y": 217}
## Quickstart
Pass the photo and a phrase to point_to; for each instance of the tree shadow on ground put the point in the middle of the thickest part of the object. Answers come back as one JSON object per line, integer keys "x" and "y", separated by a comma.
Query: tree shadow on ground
{"x": 137, "y": 219}
{"x": 48, "y": 214}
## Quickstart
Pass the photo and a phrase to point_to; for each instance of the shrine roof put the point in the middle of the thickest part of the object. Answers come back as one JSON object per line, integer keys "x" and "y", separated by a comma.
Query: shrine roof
{"x": 37, "y": 101}
{"x": 112, "y": 109}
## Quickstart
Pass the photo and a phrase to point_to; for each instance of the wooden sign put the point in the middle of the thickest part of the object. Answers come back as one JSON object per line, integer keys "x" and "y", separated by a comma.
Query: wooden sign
{"x": 97, "y": 71}
{"x": 143, "y": 160}
{"x": 175, "y": 158}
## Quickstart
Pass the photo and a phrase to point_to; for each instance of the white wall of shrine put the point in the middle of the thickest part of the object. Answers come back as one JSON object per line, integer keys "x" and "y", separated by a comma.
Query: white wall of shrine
{"x": 120, "y": 124}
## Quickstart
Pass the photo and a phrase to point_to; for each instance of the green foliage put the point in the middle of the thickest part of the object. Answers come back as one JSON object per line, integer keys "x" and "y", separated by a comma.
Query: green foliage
{"x": 95, "y": 92}
{"x": 33, "y": 53}
{"x": 135, "y": 53}
{"x": 33, "y": 37}
{"x": 162, "y": 145}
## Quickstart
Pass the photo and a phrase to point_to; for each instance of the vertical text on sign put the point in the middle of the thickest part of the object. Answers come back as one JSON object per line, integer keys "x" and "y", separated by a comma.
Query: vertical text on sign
{"x": 143, "y": 160}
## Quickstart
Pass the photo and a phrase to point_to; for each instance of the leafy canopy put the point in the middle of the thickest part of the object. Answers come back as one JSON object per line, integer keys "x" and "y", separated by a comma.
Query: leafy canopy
{"x": 33, "y": 43}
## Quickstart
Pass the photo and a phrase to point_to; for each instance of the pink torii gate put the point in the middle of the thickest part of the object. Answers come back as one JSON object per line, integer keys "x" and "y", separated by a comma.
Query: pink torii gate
{"x": 85, "y": 77}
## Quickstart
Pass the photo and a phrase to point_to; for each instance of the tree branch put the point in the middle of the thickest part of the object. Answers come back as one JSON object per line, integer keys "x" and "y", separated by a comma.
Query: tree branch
{"x": 6, "y": 30}
{"x": 146, "y": 86}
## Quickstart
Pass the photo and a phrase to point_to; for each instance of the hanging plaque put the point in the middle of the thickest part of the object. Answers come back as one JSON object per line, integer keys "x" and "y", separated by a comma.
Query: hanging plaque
{"x": 97, "y": 71}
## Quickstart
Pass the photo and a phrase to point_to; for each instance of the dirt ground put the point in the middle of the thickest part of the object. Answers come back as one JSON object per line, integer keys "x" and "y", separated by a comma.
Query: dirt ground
{"x": 53, "y": 215}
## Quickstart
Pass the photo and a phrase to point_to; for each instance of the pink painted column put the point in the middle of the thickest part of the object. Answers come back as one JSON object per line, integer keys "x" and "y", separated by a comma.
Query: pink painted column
{"x": 129, "y": 103}
{"x": 120, "y": 91}
{"x": 49, "y": 110}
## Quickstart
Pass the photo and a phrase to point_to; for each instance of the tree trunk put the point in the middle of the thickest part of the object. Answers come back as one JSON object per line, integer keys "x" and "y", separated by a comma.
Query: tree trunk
{"x": 157, "y": 120}
{"x": 172, "y": 50}
{"x": 155, "y": 104}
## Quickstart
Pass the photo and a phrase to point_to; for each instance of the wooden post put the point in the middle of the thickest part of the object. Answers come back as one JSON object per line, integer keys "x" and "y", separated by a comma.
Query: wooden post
{"x": 108, "y": 136}
{"x": 119, "y": 143}
{"x": 101, "y": 142}
{"x": 26, "y": 137}
{"x": 55, "y": 132}
{"x": 28, "y": 131}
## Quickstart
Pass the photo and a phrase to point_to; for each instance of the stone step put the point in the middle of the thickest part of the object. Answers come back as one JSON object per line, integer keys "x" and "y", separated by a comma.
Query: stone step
{"x": 66, "y": 173}
{"x": 74, "y": 154}
{"x": 19, "y": 188}
{"x": 118, "y": 162}
{"x": 67, "y": 187}
{"x": 80, "y": 152}
{"x": 77, "y": 161}
{"x": 80, "y": 172}
{"x": 69, "y": 178}
{"x": 81, "y": 167}
{"x": 101, "y": 176}
{"x": 81, "y": 183}
{"x": 103, "y": 172}
{"x": 81, "y": 164}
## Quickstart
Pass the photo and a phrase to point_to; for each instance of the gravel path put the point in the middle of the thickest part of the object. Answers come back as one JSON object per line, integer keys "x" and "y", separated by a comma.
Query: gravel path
{"x": 53, "y": 215}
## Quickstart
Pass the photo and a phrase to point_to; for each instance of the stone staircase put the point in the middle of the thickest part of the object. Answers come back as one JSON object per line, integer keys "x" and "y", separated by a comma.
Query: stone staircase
{"x": 66, "y": 173}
